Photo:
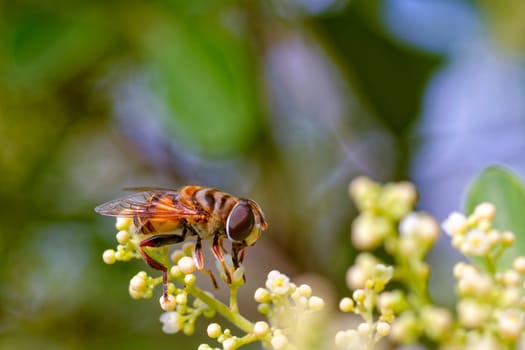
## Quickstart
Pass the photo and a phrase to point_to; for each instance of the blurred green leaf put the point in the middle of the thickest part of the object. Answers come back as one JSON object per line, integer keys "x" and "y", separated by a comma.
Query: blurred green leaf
{"x": 202, "y": 72}
{"x": 505, "y": 190}
{"x": 43, "y": 47}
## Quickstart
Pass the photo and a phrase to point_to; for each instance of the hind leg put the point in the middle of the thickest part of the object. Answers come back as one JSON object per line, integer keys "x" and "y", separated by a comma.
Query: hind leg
{"x": 156, "y": 242}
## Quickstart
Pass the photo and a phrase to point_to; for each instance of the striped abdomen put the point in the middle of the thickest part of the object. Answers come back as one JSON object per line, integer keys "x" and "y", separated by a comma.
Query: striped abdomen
{"x": 217, "y": 204}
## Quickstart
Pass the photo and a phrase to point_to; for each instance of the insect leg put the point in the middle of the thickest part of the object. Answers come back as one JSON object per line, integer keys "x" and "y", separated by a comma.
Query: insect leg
{"x": 216, "y": 249}
{"x": 237, "y": 253}
{"x": 155, "y": 242}
{"x": 199, "y": 261}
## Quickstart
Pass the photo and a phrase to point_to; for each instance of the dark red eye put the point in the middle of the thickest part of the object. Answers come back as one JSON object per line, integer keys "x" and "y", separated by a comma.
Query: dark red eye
{"x": 240, "y": 222}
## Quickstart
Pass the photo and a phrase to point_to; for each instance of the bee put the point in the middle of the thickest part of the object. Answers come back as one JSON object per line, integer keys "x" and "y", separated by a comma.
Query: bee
{"x": 164, "y": 217}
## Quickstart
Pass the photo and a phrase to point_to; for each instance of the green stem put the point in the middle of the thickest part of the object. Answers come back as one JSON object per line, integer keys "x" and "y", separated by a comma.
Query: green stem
{"x": 234, "y": 307}
{"x": 252, "y": 338}
{"x": 231, "y": 315}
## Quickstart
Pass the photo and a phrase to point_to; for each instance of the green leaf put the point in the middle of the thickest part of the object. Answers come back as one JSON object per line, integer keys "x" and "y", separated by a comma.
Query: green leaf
{"x": 202, "y": 72}
{"x": 43, "y": 47}
{"x": 505, "y": 190}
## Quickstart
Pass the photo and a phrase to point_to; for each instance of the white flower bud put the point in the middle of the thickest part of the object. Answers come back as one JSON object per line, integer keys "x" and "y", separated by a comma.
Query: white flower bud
{"x": 510, "y": 324}
{"x": 229, "y": 344}
{"x": 346, "y": 305}
{"x": 519, "y": 264}
{"x": 360, "y": 187}
{"x": 109, "y": 256}
{"x": 138, "y": 283}
{"x": 279, "y": 342}
{"x": 305, "y": 290}
{"x": 472, "y": 314}
{"x": 382, "y": 329}
{"x": 485, "y": 211}
{"x": 368, "y": 231}
{"x": 511, "y": 278}
{"x": 122, "y": 237}
{"x": 316, "y": 303}
{"x": 168, "y": 303}
{"x": 261, "y": 328}
{"x": 123, "y": 224}
{"x": 359, "y": 295}
{"x": 508, "y": 238}
{"x": 261, "y": 295}
{"x": 187, "y": 265}
{"x": 364, "y": 329}
{"x": 214, "y": 330}
{"x": 356, "y": 277}
{"x": 181, "y": 298}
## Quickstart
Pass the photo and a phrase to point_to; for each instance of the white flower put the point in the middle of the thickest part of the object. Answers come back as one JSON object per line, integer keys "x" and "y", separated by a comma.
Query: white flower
{"x": 510, "y": 278}
{"x": 472, "y": 314}
{"x": 454, "y": 224}
{"x": 360, "y": 187}
{"x": 485, "y": 211}
{"x": 315, "y": 303}
{"x": 171, "y": 321}
{"x": 519, "y": 264}
{"x": 278, "y": 283}
{"x": 279, "y": 342}
{"x": 471, "y": 281}
{"x": 368, "y": 231}
{"x": 383, "y": 273}
{"x": 382, "y": 329}
{"x": 476, "y": 243}
{"x": 348, "y": 339}
{"x": 356, "y": 277}
{"x": 436, "y": 321}
{"x": 510, "y": 324}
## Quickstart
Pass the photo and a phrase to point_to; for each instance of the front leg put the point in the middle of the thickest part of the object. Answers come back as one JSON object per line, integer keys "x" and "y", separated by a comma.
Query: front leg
{"x": 156, "y": 242}
{"x": 216, "y": 249}
{"x": 238, "y": 253}
{"x": 199, "y": 260}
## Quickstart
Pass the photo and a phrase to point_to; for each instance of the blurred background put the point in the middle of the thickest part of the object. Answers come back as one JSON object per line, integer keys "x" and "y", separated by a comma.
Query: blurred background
{"x": 282, "y": 101}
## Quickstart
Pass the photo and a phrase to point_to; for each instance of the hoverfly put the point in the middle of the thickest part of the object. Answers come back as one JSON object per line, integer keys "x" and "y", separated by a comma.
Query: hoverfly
{"x": 163, "y": 217}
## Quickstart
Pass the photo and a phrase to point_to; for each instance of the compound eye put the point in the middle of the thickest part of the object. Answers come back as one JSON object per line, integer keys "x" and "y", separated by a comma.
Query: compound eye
{"x": 240, "y": 222}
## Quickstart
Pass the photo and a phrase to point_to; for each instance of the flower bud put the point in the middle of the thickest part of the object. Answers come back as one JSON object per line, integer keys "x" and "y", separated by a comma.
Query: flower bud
{"x": 186, "y": 265}
{"x": 109, "y": 256}
{"x": 261, "y": 328}
{"x": 168, "y": 303}
{"x": 214, "y": 330}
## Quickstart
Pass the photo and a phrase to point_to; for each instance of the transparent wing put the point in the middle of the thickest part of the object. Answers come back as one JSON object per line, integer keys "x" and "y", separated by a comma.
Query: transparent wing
{"x": 153, "y": 203}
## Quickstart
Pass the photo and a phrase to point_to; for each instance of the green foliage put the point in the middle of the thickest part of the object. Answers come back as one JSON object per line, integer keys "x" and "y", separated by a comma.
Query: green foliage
{"x": 202, "y": 71}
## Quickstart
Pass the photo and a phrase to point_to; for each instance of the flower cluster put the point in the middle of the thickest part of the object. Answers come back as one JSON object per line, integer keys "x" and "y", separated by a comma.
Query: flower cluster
{"x": 386, "y": 220}
{"x": 290, "y": 309}
{"x": 474, "y": 235}
{"x": 491, "y": 303}
{"x": 365, "y": 302}
{"x": 293, "y": 312}
{"x": 389, "y": 283}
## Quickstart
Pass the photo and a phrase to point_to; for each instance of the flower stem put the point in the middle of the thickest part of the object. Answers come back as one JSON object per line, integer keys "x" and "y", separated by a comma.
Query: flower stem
{"x": 232, "y": 315}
